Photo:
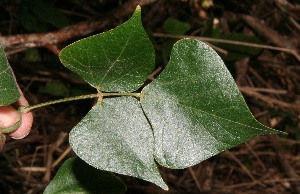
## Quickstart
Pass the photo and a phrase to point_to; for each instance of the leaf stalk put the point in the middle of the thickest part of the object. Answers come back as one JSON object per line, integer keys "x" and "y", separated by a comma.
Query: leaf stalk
{"x": 99, "y": 95}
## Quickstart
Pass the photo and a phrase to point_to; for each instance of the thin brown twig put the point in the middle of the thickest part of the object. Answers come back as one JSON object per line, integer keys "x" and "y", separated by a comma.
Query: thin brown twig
{"x": 270, "y": 100}
{"x": 218, "y": 49}
{"x": 290, "y": 171}
{"x": 247, "y": 184}
{"x": 255, "y": 155}
{"x": 50, "y": 38}
{"x": 233, "y": 42}
{"x": 195, "y": 179}
{"x": 262, "y": 29}
{"x": 24, "y": 41}
{"x": 61, "y": 138}
{"x": 294, "y": 22}
{"x": 62, "y": 156}
{"x": 232, "y": 156}
{"x": 265, "y": 90}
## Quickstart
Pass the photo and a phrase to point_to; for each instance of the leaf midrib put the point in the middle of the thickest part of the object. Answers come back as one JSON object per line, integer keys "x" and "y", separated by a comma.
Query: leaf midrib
{"x": 204, "y": 112}
{"x": 115, "y": 62}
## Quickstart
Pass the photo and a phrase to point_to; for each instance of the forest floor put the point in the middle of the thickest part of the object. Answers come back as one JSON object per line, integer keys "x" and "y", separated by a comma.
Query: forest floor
{"x": 268, "y": 75}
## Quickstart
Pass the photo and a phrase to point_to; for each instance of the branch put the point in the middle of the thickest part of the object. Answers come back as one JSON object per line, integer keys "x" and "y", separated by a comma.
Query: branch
{"x": 271, "y": 35}
{"x": 39, "y": 40}
{"x": 233, "y": 42}
{"x": 24, "y": 41}
{"x": 269, "y": 100}
{"x": 282, "y": 157}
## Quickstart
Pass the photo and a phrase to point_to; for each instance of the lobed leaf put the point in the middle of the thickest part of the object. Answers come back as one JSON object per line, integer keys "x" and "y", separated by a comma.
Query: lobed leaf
{"x": 195, "y": 108}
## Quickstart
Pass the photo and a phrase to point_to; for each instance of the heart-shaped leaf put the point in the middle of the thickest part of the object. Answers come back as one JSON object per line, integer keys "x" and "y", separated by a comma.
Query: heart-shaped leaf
{"x": 118, "y": 60}
{"x": 75, "y": 176}
{"x": 116, "y": 136}
{"x": 195, "y": 108}
{"x": 9, "y": 92}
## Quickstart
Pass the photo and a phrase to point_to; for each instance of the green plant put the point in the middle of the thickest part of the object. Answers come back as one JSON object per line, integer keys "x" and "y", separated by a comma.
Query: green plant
{"x": 192, "y": 111}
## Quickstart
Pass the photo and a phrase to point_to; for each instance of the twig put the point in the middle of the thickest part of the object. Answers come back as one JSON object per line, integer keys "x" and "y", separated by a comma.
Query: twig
{"x": 294, "y": 22}
{"x": 255, "y": 155}
{"x": 16, "y": 42}
{"x": 285, "y": 164}
{"x": 32, "y": 169}
{"x": 218, "y": 49}
{"x": 271, "y": 35}
{"x": 39, "y": 40}
{"x": 62, "y": 156}
{"x": 266, "y": 31}
{"x": 269, "y": 100}
{"x": 233, "y": 42}
{"x": 247, "y": 184}
{"x": 61, "y": 138}
{"x": 195, "y": 179}
{"x": 287, "y": 4}
{"x": 266, "y": 90}
{"x": 242, "y": 166}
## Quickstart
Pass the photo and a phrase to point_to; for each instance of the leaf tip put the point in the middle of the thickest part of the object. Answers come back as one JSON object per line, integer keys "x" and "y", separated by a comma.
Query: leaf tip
{"x": 138, "y": 8}
{"x": 166, "y": 188}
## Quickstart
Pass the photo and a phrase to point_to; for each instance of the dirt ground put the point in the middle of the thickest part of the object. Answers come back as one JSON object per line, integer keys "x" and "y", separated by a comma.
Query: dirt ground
{"x": 267, "y": 75}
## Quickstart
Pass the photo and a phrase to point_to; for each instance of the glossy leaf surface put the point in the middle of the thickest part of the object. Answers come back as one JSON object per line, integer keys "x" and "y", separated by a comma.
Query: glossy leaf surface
{"x": 9, "y": 92}
{"x": 75, "y": 176}
{"x": 115, "y": 136}
{"x": 195, "y": 108}
{"x": 116, "y": 61}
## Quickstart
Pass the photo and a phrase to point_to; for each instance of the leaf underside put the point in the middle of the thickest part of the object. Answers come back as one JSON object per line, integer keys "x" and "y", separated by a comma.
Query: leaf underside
{"x": 9, "y": 92}
{"x": 75, "y": 176}
{"x": 115, "y": 136}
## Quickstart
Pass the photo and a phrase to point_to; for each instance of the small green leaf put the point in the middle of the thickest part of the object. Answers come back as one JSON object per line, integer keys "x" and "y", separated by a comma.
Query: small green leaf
{"x": 118, "y": 60}
{"x": 48, "y": 13}
{"x": 175, "y": 27}
{"x": 9, "y": 92}
{"x": 75, "y": 176}
{"x": 115, "y": 136}
{"x": 237, "y": 52}
{"x": 55, "y": 88}
{"x": 35, "y": 15}
{"x": 195, "y": 108}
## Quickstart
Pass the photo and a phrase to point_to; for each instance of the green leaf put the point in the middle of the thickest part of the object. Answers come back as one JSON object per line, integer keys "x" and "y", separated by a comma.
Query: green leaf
{"x": 9, "y": 92}
{"x": 55, "y": 88}
{"x": 35, "y": 15}
{"x": 195, "y": 108}
{"x": 175, "y": 27}
{"x": 28, "y": 20}
{"x": 118, "y": 60}
{"x": 237, "y": 52}
{"x": 115, "y": 136}
{"x": 48, "y": 13}
{"x": 210, "y": 30}
{"x": 75, "y": 176}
